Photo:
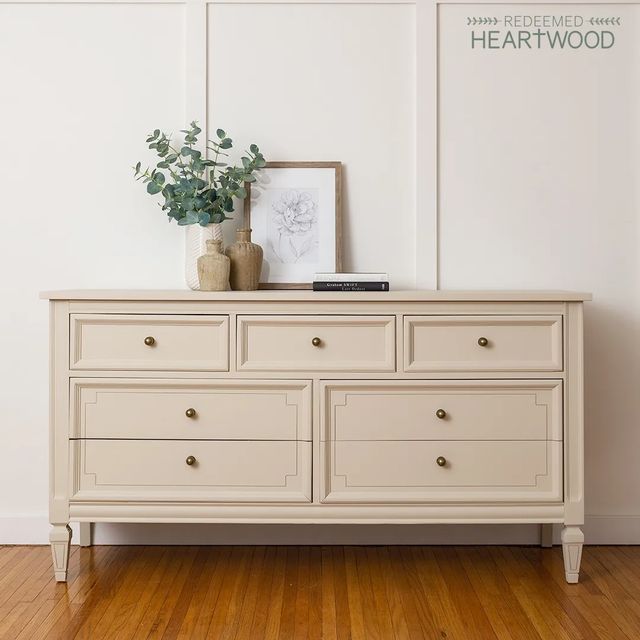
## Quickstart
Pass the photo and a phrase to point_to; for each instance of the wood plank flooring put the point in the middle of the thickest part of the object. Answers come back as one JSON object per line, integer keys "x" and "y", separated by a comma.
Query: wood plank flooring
{"x": 294, "y": 593}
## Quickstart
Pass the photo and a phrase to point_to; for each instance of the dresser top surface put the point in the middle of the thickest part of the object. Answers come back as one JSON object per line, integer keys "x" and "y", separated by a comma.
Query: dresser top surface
{"x": 409, "y": 295}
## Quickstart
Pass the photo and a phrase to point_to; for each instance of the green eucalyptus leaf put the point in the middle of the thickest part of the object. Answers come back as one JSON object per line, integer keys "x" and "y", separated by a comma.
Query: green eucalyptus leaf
{"x": 221, "y": 134}
{"x": 153, "y": 188}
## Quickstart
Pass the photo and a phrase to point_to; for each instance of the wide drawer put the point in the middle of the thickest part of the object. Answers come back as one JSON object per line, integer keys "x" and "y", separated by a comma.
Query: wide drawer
{"x": 316, "y": 343}
{"x": 191, "y": 409}
{"x": 442, "y": 410}
{"x": 482, "y": 343}
{"x": 222, "y": 471}
{"x": 149, "y": 342}
{"x": 484, "y": 471}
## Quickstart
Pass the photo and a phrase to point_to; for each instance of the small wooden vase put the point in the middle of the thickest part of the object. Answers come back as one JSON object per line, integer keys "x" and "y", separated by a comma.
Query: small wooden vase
{"x": 246, "y": 262}
{"x": 213, "y": 268}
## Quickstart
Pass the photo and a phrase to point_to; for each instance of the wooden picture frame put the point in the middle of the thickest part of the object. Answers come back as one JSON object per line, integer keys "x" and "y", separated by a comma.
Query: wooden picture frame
{"x": 337, "y": 186}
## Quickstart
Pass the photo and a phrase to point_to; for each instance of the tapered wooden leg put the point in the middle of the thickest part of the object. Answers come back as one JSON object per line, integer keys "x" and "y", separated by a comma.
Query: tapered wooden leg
{"x": 546, "y": 535}
{"x": 84, "y": 540}
{"x": 60, "y": 538}
{"x": 572, "y": 541}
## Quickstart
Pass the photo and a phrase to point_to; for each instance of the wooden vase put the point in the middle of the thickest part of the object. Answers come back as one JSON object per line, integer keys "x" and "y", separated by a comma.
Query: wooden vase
{"x": 246, "y": 262}
{"x": 213, "y": 268}
{"x": 196, "y": 238}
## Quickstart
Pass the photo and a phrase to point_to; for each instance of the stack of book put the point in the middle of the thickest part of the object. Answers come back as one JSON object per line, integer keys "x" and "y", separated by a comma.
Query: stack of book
{"x": 351, "y": 282}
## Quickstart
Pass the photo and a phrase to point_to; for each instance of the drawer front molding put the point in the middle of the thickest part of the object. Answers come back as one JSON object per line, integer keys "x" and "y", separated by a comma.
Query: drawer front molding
{"x": 471, "y": 471}
{"x": 191, "y": 409}
{"x": 316, "y": 343}
{"x": 482, "y": 343}
{"x": 441, "y": 410}
{"x": 222, "y": 471}
{"x": 149, "y": 342}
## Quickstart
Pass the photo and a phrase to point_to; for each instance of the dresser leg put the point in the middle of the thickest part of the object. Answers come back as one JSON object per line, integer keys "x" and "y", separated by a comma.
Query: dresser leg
{"x": 60, "y": 538}
{"x": 84, "y": 539}
{"x": 546, "y": 535}
{"x": 572, "y": 541}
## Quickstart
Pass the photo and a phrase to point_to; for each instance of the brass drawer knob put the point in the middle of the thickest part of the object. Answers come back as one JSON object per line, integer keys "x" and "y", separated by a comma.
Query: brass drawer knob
{"x": 316, "y": 342}
{"x": 441, "y": 413}
{"x": 190, "y": 413}
{"x": 149, "y": 341}
{"x": 441, "y": 461}
{"x": 190, "y": 461}
{"x": 483, "y": 342}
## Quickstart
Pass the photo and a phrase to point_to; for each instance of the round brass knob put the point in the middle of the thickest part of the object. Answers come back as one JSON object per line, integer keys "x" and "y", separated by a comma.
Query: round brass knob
{"x": 190, "y": 413}
{"x": 441, "y": 413}
{"x": 483, "y": 342}
{"x": 190, "y": 460}
{"x": 149, "y": 341}
{"x": 316, "y": 342}
{"x": 441, "y": 461}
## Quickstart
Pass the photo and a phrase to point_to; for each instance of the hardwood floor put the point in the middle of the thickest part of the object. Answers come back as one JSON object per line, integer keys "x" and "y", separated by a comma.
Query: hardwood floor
{"x": 362, "y": 593}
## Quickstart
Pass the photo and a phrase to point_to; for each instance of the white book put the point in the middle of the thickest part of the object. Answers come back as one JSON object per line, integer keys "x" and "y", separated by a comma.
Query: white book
{"x": 351, "y": 277}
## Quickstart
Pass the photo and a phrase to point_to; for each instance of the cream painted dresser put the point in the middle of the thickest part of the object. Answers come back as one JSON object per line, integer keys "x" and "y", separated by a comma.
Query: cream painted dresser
{"x": 302, "y": 407}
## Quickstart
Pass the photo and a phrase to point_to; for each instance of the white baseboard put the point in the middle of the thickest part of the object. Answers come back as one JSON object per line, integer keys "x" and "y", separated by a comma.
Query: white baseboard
{"x": 34, "y": 529}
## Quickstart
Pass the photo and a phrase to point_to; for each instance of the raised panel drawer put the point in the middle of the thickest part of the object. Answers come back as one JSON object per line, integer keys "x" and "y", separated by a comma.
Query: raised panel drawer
{"x": 223, "y": 471}
{"x": 316, "y": 343}
{"x": 482, "y": 343}
{"x": 191, "y": 409}
{"x": 149, "y": 342}
{"x": 442, "y": 410}
{"x": 396, "y": 472}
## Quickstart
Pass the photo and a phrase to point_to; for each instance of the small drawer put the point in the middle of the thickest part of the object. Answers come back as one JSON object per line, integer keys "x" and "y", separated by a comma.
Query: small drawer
{"x": 442, "y": 410}
{"x": 199, "y": 471}
{"x": 446, "y": 471}
{"x": 149, "y": 342}
{"x": 316, "y": 343}
{"x": 191, "y": 409}
{"x": 482, "y": 343}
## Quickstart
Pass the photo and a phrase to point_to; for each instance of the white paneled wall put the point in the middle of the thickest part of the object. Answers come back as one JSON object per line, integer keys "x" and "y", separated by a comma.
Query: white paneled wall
{"x": 539, "y": 179}
{"x": 329, "y": 82}
{"x": 80, "y": 84}
{"x": 538, "y": 175}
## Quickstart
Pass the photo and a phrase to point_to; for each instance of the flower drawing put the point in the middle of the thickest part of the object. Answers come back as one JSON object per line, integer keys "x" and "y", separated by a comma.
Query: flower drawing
{"x": 295, "y": 212}
{"x": 293, "y": 226}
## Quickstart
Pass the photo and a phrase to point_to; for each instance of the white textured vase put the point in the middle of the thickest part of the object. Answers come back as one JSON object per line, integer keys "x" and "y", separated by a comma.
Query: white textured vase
{"x": 196, "y": 245}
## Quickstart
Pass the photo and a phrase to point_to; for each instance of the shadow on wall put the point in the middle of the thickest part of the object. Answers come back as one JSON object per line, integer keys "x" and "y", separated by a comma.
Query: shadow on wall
{"x": 302, "y": 534}
{"x": 612, "y": 407}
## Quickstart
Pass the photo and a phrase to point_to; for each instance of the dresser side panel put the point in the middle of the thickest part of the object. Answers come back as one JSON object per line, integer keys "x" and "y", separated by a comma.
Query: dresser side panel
{"x": 574, "y": 416}
{"x": 58, "y": 412}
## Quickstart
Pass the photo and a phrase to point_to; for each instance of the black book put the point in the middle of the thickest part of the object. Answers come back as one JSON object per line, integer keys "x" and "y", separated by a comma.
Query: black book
{"x": 344, "y": 285}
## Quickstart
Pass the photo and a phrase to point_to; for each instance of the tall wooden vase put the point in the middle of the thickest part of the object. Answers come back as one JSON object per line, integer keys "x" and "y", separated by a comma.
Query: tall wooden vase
{"x": 246, "y": 262}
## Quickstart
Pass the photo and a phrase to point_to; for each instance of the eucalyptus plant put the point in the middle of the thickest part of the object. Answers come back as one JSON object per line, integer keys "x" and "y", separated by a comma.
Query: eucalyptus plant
{"x": 196, "y": 189}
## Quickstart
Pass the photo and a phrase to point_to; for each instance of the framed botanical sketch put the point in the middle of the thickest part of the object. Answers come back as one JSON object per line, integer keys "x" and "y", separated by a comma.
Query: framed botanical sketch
{"x": 294, "y": 211}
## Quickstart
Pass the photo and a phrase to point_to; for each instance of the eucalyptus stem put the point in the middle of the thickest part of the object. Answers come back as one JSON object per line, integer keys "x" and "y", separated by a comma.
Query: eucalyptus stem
{"x": 193, "y": 194}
